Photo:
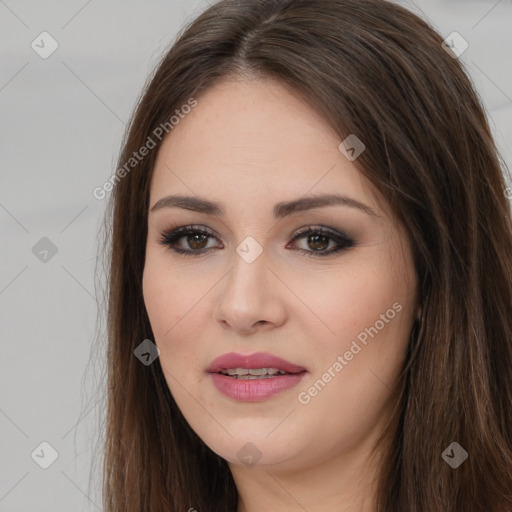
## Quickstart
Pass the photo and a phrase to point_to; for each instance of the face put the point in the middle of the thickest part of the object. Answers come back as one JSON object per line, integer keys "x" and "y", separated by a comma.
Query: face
{"x": 256, "y": 271}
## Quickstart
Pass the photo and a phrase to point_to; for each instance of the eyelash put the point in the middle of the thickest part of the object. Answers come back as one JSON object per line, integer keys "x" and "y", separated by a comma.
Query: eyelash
{"x": 171, "y": 236}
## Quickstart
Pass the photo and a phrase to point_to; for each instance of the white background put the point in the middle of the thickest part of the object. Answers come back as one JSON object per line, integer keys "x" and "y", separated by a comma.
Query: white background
{"x": 62, "y": 119}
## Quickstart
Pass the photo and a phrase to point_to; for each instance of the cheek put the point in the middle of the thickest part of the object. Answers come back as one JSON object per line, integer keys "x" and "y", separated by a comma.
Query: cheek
{"x": 166, "y": 298}
{"x": 166, "y": 311}
{"x": 173, "y": 305}
{"x": 158, "y": 299}
{"x": 367, "y": 315}
{"x": 372, "y": 350}
{"x": 354, "y": 301}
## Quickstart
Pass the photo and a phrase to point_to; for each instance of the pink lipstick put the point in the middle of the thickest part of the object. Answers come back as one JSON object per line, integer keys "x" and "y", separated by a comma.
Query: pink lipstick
{"x": 255, "y": 377}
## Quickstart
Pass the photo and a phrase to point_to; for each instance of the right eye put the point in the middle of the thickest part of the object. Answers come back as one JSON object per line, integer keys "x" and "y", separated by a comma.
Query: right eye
{"x": 195, "y": 237}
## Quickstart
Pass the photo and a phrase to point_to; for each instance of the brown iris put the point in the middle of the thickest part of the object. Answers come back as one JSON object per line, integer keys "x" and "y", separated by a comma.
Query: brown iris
{"x": 197, "y": 241}
{"x": 318, "y": 241}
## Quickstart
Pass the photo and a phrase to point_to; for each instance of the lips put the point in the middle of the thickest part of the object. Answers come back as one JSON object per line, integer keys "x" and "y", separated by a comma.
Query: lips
{"x": 253, "y": 378}
{"x": 256, "y": 361}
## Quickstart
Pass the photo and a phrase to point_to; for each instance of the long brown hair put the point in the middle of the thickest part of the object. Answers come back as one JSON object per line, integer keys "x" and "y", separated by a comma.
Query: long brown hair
{"x": 374, "y": 69}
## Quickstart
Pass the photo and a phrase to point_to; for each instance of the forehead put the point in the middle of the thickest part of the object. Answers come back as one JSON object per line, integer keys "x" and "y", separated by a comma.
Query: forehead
{"x": 254, "y": 139}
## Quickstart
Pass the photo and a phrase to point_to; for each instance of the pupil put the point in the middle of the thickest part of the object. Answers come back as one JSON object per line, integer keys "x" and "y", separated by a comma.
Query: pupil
{"x": 314, "y": 243}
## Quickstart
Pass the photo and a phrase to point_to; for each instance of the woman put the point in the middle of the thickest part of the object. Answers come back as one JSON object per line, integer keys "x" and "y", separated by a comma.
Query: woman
{"x": 311, "y": 273}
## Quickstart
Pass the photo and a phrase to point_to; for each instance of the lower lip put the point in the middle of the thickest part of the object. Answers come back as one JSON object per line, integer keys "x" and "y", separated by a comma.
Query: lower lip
{"x": 254, "y": 390}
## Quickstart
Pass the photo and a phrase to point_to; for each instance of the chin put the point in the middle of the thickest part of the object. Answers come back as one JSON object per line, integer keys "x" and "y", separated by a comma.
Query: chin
{"x": 253, "y": 447}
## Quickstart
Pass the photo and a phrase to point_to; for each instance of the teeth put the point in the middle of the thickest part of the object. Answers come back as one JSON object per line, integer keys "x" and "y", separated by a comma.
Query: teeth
{"x": 263, "y": 371}
{"x": 252, "y": 373}
{"x": 237, "y": 371}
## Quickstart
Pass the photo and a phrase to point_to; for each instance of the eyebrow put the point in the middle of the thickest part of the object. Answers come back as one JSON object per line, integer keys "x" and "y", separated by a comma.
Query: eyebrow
{"x": 283, "y": 209}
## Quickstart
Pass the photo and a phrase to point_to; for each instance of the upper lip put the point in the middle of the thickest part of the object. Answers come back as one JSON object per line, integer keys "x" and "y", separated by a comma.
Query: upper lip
{"x": 254, "y": 361}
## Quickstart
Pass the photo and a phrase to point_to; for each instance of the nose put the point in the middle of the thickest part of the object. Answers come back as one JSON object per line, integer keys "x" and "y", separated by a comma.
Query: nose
{"x": 251, "y": 298}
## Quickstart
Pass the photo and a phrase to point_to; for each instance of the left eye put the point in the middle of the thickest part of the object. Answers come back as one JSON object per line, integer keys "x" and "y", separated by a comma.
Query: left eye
{"x": 318, "y": 239}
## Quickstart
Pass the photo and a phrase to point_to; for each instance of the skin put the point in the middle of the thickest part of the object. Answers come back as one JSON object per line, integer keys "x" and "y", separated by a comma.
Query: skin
{"x": 249, "y": 144}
